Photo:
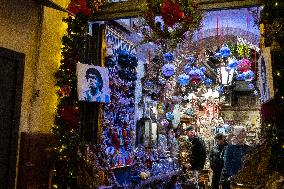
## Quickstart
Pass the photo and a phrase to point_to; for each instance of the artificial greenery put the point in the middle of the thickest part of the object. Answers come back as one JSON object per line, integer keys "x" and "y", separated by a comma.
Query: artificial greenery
{"x": 66, "y": 129}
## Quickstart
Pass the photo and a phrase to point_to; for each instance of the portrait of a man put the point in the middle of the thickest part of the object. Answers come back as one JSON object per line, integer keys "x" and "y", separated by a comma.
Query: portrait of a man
{"x": 93, "y": 83}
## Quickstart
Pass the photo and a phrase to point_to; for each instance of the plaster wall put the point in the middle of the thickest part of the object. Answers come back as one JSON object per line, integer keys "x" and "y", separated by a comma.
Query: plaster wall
{"x": 28, "y": 28}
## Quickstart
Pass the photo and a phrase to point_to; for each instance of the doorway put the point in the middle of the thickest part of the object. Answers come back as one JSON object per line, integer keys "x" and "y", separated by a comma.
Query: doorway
{"x": 11, "y": 84}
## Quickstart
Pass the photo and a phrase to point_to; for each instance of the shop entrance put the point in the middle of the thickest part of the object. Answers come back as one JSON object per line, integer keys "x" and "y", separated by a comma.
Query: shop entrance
{"x": 11, "y": 80}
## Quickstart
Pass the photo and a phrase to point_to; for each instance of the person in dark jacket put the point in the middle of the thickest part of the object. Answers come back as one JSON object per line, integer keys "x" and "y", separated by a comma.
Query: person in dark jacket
{"x": 233, "y": 156}
{"x": 198, "y": 153}
{"x": 216, "y": 159}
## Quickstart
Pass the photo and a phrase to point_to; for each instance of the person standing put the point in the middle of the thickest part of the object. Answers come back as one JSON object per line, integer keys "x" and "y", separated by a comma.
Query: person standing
{"x": 198, "y": 154}
{"x": 233, "y": 156}
{"x": 216, "y": 159}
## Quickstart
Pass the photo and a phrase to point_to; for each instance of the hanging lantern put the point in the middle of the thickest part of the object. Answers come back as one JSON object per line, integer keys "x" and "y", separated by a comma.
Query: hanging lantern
{"x": 168, "y": 70}
{"x": 183, "y": 79}
{"x": 225, "y": 51}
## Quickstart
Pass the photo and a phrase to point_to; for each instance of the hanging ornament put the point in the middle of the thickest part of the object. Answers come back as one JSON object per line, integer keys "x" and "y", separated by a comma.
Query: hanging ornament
{"x": 220, "y": 89}
{"x": 168, "y": 70}
{"x": 190, "y": 111}
{"x": 161, "y": 108}
{"x": 244, "y": 65}
{"x": 177, "y": 116}
{"x": 233, "y": 63}
{"x": 248, "y": 76}
{"x": 208, "y": 82}
{"x": 240, "y": 77}
{"x": 250, "y": 86}
{"x": 203, "y": 69}
{"x": 187, "y": 68}
{"x": 165, "y": 123}
{"x": 161, "y": 81}
{"x": 217, "y": 55}
{"x": 171, "y": 12}
{"x": 196, "y": 75}
{"x": 170, "y": 116}
{"x": 168, "y": 57}
{"x": 70, "y": 115}
{"x": 255, "y": 93}
{"x": 79, "y": 6}
{"x": 148, "y": 85}
{"x": 225, "y": 51}
{"x": 190, "y": 59}
{"x": 64, "y": 91}
{"x": 183, "y": 79}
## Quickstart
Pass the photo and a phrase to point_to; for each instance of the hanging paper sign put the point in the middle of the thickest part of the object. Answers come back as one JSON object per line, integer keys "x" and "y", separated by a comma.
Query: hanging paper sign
{"x": 93, "y": 83}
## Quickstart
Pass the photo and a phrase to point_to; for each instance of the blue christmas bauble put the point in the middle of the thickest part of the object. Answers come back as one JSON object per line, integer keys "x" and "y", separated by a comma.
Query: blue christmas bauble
{"x": 168, "y": 70}
{"x": 190, "y": 59}
{"x": 187, "y": 68}
{"x": 208, "y": 82}
{"x": 233, "y": 63}
{"x": 170, "y": 116}
{"x": 250, "y": 86}
{"x": 183, "y": 79}
{"x": 225, "y": 51}
{"x": 168, "y": 57}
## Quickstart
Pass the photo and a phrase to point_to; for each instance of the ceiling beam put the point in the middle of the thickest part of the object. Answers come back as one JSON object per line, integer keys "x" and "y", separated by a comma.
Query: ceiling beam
{"x": 130, "y": 8}
{"x": 51, "y": 4}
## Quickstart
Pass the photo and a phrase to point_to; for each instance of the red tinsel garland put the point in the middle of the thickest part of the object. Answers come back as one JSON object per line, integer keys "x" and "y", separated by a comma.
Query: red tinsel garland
{"x": 171, "y": 12}
{"x": 79, "y": 6}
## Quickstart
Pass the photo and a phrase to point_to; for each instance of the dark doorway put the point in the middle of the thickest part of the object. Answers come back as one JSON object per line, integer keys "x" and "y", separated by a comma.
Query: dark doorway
{"x": 11, "y": 84}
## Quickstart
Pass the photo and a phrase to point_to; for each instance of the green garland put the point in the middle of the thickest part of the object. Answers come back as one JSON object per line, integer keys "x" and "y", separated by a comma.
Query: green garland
{"x": 66, "y": 129}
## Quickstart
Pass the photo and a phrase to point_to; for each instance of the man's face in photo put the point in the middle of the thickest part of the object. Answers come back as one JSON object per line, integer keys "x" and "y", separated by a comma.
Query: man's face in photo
{"x": 93, "y": 83}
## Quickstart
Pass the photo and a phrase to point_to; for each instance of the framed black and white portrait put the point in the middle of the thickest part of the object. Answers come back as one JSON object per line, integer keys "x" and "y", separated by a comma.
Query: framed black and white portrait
{"x": 93, "y": 83}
